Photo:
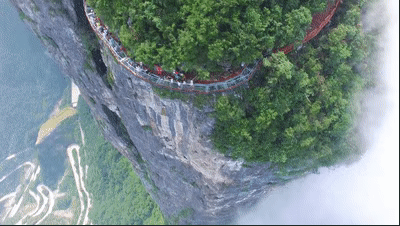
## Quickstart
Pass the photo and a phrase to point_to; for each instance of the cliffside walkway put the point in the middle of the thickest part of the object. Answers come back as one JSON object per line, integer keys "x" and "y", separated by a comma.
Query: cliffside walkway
{"x": 171, "y": 81}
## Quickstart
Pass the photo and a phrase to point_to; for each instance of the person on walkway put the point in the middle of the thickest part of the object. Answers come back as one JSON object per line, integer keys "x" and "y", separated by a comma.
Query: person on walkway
{"x": 176, "y": 75}
{"x": 159, "y": 70}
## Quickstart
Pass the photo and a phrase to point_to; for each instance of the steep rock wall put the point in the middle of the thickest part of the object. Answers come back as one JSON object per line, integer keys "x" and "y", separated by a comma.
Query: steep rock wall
{"x": 168, "y": 141}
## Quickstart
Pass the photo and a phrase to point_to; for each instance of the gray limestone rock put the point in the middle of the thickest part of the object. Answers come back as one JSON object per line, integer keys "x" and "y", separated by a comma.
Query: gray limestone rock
{"x": 175, "y": 159}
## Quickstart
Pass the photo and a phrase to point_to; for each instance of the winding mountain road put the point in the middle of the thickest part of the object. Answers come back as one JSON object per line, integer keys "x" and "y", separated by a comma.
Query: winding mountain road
{"x": 80, "y": 185}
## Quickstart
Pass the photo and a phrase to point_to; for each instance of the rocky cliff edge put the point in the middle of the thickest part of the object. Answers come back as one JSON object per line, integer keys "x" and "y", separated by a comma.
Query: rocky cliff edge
{"x": 167, "y": 141}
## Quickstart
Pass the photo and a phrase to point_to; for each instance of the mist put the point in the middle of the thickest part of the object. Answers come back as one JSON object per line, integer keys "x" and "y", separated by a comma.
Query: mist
{"x": 367, "y": 191}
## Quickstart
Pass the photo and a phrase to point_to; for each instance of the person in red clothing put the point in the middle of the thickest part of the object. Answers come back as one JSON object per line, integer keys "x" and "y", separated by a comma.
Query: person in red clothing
{"x": 159, "y": 70}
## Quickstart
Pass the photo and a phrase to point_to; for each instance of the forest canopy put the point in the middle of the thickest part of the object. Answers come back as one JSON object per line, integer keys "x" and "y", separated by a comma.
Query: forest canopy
{"x": 202, "y": 35}
{"x": 302, "y": 107}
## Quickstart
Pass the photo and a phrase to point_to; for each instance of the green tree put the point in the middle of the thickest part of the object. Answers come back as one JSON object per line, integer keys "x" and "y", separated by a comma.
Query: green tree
{"x": 296, "y": 24}
{"x": 201, "y": 35}
{"x": 280, "y": 66}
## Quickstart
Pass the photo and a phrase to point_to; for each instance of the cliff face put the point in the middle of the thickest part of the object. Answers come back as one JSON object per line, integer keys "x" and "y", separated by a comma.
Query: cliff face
{"x": 175, "y": 159}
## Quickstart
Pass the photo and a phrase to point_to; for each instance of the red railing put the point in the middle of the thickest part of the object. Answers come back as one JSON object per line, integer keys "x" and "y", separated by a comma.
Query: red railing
{"x": 319, "y": 21}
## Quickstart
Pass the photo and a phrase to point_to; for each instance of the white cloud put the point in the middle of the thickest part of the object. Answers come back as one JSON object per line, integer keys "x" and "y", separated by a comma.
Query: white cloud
{"x": 366, "y": 192}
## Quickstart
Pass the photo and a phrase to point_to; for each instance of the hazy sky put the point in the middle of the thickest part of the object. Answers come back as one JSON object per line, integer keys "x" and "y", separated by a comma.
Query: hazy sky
{"x": 366, "y": 192}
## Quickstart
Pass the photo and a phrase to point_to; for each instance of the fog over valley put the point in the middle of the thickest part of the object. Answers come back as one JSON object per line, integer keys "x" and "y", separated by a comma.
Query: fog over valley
{"x": 367, "y": 191}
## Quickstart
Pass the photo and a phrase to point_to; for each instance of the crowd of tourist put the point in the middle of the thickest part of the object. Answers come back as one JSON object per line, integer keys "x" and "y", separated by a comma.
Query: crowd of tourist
{"x": 176, "y": 75}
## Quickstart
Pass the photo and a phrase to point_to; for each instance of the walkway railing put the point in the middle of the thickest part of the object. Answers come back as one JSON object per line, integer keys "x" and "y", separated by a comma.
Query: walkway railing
{"x": 319, "y": 21}
{"x": 201, "y": 87}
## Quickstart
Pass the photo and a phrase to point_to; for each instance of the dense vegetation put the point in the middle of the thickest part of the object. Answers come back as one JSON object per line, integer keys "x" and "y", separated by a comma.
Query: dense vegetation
{"x": 201, "y": 35}
{"x": 118, "y": 195}
{"x": 302, "y": 107}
